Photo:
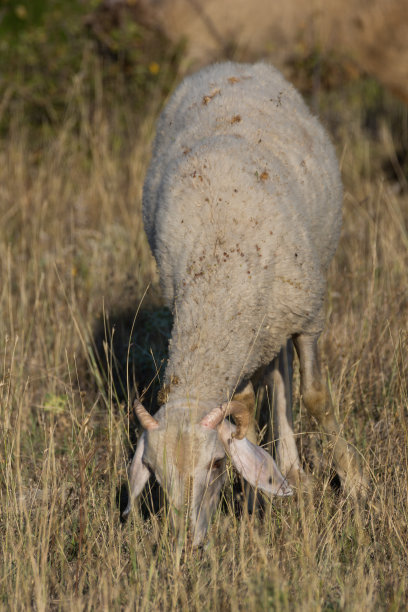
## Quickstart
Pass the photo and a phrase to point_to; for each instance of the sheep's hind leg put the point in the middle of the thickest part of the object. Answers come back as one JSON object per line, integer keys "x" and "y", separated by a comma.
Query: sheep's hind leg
{"x": 279, "y": 380}
{"x": 315, "y": 400}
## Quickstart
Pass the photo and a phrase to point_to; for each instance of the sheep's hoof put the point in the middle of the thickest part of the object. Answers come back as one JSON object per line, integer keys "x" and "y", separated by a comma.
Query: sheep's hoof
{"x": 355, "y": 485}
{"x": 300, "y": 480}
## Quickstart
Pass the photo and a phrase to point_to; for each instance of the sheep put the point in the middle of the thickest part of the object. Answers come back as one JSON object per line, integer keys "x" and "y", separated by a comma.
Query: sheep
{"x": 242, "y": 209}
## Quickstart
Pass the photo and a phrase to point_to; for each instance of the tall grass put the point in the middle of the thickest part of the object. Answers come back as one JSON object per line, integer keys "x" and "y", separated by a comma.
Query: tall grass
{"x": 73, "y": 260}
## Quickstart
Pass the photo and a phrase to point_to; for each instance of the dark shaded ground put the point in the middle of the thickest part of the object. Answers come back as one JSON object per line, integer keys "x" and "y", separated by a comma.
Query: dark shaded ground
{"x": 132, "y": 349}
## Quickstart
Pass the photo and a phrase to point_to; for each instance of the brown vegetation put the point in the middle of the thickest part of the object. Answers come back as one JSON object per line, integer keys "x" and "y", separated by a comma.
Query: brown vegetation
{"x": 371, "y": 34}
{"x": 74, "y": 262}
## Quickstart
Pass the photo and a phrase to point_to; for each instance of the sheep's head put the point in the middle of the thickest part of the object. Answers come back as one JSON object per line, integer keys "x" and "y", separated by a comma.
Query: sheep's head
{"x": 188, "y": 459}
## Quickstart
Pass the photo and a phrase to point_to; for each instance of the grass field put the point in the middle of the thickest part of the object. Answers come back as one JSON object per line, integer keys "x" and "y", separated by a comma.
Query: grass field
{"x": 75, "y": 269}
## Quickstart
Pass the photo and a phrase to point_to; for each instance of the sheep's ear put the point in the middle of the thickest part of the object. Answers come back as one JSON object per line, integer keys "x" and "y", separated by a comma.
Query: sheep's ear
{"x": 253, "y": 462}
{"x": 138, "y": 474}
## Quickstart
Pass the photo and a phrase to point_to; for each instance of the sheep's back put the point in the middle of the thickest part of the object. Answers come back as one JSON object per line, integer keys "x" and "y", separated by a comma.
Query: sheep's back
{"x": 252, "y": 115}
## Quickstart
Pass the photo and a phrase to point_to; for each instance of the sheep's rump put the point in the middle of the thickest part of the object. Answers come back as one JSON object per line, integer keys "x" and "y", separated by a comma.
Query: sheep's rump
{"x": 243, "y": 187}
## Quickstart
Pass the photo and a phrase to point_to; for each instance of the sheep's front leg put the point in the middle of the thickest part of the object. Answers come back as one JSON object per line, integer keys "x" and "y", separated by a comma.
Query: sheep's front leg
{"x": 314, "y": 397}
{"x": 279, "y": 380}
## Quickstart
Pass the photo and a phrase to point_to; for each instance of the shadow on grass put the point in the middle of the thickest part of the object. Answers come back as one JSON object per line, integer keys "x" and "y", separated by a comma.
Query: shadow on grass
{"x": 131, "y": 354}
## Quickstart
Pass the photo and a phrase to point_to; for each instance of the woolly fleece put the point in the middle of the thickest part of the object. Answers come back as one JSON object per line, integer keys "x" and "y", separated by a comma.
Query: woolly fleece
{"x": 242, "y": 209}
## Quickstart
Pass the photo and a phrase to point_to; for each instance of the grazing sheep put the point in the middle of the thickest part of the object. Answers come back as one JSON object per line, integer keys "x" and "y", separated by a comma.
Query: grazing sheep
{"x": 242, "y": 209}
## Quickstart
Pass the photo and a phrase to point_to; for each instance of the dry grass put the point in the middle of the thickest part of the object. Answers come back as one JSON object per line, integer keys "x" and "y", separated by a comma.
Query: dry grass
{"x": 71, "y": 249}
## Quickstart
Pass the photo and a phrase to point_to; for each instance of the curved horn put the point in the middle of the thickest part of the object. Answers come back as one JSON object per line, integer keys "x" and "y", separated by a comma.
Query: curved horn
{"x": 213, "y": 418}
{"x": 242, "y": 416}
{"x": 240, "y": 412}
{"x": 145, "y": 419}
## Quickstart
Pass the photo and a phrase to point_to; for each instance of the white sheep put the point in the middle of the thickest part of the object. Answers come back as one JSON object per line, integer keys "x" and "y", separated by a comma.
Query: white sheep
{"x": 242, "y": 209}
